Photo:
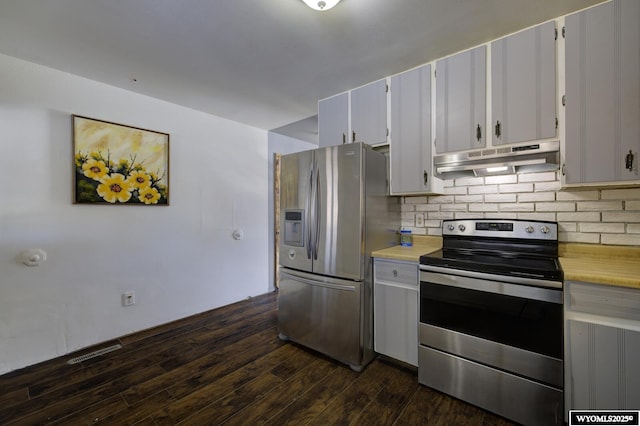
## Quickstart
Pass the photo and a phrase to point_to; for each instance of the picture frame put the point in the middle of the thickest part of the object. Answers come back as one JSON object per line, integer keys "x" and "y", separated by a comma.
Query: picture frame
{"x": 117, "y": 164}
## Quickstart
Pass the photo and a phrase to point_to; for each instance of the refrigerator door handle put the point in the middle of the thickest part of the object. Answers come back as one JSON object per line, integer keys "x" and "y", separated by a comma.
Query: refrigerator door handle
{"x": 308, "y": 213}
{"x": 312, "y": 208}
{"x": 318, "y": 212}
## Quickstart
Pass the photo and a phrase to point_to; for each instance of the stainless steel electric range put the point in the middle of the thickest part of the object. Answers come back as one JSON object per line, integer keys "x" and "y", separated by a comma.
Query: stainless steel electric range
{"x": 491, "y": 321}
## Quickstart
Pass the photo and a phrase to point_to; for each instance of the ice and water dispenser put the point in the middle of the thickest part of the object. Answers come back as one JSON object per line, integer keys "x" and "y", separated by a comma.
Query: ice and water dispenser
{"x": 294, "y": 227}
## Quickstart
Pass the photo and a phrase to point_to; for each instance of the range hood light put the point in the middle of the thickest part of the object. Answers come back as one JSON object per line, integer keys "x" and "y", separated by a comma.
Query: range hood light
{"x": 497, "y": 169}
{"x": 494, "y": 171}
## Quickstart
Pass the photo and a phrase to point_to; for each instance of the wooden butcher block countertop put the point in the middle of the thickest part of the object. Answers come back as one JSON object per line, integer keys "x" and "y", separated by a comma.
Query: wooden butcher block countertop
{"x": 599, "y": 264}
{"x": 421, "y": 245}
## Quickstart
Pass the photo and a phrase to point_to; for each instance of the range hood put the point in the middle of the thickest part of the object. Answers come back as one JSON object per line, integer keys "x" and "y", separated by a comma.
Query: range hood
{"x": 541, "y": 156}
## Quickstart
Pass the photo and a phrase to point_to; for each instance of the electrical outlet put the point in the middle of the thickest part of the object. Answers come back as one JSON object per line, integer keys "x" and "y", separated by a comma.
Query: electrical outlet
{"x": 419, "y": 220}
{"x": 129, "y": 298}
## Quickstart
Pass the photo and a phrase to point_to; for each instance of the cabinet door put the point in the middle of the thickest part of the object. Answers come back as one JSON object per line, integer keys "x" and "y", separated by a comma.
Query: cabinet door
{"x": 461, "y": 101}
{"x": 602, "y": 367}
{"x": 333, "y": 120}
{"x": 396, "y": 310}
{"x": 369, "y": 113}
{"x": 523, "y": 86}
{"x": 602, "y": 93}
{"x": 410, "y": 148}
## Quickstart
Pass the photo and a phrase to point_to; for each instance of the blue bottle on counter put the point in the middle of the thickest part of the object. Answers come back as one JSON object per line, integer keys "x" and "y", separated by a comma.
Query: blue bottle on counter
{"x": 406, "y": 239}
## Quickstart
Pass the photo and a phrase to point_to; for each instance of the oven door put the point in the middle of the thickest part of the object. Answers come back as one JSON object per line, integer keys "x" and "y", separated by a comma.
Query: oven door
{"x": 511, "y": 327}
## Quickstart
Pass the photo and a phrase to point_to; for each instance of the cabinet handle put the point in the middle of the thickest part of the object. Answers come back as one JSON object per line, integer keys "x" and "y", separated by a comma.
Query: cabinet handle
{"x": 498, "y": 129}
{"x": 478, "y": 133}
{"x": 425, "y": 176}
{"x": 395, "y": 272}
{"x": 564, "y": 173}
{"x": 628, "y": 162}
{"x": 353, "y": 137}
{"x": 344, "y": 139}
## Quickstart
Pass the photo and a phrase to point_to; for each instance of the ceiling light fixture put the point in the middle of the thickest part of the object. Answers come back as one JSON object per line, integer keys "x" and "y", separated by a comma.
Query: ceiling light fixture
{"x": 321, "y": 5}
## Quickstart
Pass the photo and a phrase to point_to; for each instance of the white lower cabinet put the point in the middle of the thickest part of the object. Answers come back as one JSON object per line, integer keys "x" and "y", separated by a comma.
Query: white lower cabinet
{"x": 395, "y": 297}
{"x": 602, "y": 343}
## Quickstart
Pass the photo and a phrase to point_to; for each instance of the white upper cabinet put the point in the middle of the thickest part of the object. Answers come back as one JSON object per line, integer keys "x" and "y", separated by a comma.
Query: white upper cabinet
{"x": 523, "y": 86}
{"x": 602, "y": 141}
{"x": 369, "y": 113}
{"x": 333, "y": 120}
{"x": 461, "y": 101}
{"x": 410, "y": 149}
{"x": 356, "y": 116}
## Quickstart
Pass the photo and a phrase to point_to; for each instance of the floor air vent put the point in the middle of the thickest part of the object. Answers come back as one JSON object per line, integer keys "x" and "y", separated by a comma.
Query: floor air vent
{"x": 94, "y": 354}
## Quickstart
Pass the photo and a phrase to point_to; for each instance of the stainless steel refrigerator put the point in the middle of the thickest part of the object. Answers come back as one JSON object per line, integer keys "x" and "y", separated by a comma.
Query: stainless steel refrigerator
{"x": 334, "y": 210}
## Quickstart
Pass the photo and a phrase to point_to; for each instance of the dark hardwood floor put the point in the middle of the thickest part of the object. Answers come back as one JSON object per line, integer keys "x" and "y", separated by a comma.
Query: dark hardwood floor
{"x": 226, "y": 366}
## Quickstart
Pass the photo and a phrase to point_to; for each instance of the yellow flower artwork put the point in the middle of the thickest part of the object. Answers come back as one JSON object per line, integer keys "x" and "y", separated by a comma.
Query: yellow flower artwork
{"x": 118, "y": 164}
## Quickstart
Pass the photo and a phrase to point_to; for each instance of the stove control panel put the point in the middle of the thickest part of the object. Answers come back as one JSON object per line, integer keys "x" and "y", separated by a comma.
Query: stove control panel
{"x": 502, "y": 228}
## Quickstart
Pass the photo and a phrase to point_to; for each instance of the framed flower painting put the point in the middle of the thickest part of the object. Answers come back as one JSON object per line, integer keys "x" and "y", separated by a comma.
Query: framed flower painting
{"x": 118, "y": 164}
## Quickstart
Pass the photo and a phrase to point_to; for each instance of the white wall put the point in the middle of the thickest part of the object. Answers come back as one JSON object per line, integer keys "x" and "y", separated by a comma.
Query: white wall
{"x": 179, "y": 259}
{"x": 279, "y": 144}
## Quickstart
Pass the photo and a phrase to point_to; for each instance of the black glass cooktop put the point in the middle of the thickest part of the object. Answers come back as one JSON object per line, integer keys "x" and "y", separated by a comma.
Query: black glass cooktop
{"x": 496, "y": 262}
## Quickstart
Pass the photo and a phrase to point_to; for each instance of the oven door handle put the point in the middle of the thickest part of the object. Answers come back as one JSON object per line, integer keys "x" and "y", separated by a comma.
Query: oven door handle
{"x": 497, "y": 287}
{"x": 525, "y": 280}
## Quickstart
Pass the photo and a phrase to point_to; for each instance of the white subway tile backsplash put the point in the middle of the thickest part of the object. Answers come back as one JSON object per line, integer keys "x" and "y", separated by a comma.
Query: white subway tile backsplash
{"x": 517, "y": 207}
{"x": 609, "y": 228}
{"x": 455, "y": 190}
{"x": 537, "y": 177}
{"x": 547, "y": 186}
{"x": 484, "y": 207}
{"x": 500, "y": 198}
{"x": 440, "y": 215}
{"x": 415, "y": 200}
{"x": 567, "y": 227}
{"x": 503, "y": 215}
{"x": 407, "y": 219}
{"x": 577, "y": 237}
{"x": 633, "y": 228}
{"x": 536, "y": 196}
{"x": 418, "y": 231}
{"x": 516, "y": 187}
{"x": 621, "y": 194}
{"x": 598, "y": 206}
{"x": 621, "y": 239}
{"x": 577, "y": 195}
{"x": 628, "y": 217}
{"x": 478, "y": 198}
{"x": 432, "y": 223}
{"x": 453, "y": 208}
{"x": 592, "y": 216}
{"x": 579, "y": 217}
{"x": 439, "y": 199}
{"x": 538, "y": 216}
{"x": 555, "y": 207}
{"x": 485, "y": 189}
{"x": 469, "y": 181}
{"x": 493, "y": 180}
{"x": 460, "y": 215}
{"x": 427, "y": 207}
{"x": 632, "y": 205}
